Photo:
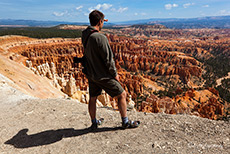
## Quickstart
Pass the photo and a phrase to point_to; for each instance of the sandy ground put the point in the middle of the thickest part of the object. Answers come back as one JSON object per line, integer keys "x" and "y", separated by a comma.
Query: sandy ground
{"x": 60, "y": 126}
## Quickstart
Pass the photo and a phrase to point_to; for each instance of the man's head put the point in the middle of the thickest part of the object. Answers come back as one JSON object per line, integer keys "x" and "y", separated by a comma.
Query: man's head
{"x": 96, "y": 18}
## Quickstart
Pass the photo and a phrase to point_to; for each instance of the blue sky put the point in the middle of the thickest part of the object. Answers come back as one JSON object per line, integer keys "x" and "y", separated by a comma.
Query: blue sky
{"x": 116, "y": 10}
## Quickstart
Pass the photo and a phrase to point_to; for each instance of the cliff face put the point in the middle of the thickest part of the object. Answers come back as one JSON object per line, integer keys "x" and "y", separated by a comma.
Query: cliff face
{"x": 26, "y": 81}
{"x": 55, "y": 61}
{"x": 142, "y": 66}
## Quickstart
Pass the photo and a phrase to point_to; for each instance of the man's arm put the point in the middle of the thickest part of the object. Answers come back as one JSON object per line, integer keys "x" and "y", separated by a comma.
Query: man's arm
{"x": 107, "y": 56}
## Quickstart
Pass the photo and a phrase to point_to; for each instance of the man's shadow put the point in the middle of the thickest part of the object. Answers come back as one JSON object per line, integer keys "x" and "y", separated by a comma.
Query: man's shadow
{"x": 23, "y": 140}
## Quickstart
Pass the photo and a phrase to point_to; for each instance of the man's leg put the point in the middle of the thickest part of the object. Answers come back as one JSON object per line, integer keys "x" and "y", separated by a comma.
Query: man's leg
{"x": 126, "y": 123}
{"x": 92, "y": 107}
{"x": 114, "y": 88}
{"x": 92, "y": 112}
{"x": 122, "y": 106}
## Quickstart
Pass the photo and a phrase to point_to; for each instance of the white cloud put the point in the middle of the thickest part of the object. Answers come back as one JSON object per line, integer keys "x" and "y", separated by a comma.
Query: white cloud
{"x": 59, "y": 14}
{"x": 188, "y": 4}
{"x": 205, "y": 6}
{"x": 103, "y": 6}
{"x": 91, "y": 9}
{"x": 223, "y": 12}
{"x": 170, "y": 6}
{"x": 175, "y": 5}
{"x": 110, "y": 7}
{"x": 122, "y": 9}
{"x": 142, "y": 14}
{"x": 79, "y": 7}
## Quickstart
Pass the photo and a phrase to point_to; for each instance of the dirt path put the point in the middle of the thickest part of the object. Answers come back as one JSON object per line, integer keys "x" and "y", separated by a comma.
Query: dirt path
{"x": 59, "y": 126}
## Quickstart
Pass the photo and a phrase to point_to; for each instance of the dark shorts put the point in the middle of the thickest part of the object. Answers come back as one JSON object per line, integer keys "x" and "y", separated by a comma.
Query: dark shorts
{"x": 110, "y": 86}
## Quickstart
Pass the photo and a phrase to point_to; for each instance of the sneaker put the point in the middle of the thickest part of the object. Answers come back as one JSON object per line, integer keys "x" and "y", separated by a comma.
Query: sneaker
{"x": 131, "y": 124}
{"x": 94, "y": 126}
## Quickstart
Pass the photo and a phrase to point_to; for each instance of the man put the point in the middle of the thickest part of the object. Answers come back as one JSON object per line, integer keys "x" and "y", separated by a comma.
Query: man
{"x": 101, "y": 71}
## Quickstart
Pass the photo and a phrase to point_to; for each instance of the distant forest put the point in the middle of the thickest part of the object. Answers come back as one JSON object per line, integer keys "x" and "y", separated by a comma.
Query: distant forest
{"x": 41, "y": 32}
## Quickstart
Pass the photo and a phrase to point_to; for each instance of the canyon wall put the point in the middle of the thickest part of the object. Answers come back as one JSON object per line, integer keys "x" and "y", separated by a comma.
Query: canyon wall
{"x": 137, "y": 61}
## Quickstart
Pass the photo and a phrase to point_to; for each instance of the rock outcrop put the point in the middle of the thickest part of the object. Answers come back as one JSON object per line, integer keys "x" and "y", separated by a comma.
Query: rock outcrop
{"x": 184, "y": 104}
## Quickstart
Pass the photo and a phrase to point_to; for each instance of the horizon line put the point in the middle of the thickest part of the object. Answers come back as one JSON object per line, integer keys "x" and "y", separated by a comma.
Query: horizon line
{"x": 115, "y": 21}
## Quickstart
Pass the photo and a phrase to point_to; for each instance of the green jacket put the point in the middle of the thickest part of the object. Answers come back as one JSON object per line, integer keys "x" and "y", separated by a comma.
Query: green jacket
{"x": 99, "y": 64}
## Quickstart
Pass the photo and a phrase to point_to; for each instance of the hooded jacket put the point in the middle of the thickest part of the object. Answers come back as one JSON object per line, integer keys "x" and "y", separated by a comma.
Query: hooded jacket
{"x": 99, "y": 56}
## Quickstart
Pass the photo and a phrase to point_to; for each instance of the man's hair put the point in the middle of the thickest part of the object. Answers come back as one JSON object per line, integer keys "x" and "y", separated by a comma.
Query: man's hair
{"x": 95, "y": 16}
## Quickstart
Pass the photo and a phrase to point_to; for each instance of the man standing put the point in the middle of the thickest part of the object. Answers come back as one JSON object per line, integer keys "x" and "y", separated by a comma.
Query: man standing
{"x": 101, "y": 71}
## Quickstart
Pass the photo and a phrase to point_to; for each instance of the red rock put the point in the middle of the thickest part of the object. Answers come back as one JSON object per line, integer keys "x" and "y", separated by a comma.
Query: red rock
{"x": 213, "y": 90}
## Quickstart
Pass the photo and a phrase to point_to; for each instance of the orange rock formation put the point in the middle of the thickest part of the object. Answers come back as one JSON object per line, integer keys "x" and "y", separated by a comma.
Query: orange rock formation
{"x": 136, "y": 59}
